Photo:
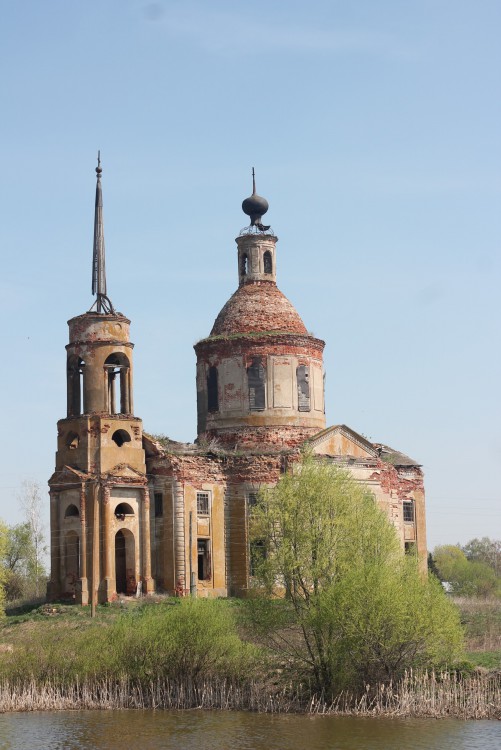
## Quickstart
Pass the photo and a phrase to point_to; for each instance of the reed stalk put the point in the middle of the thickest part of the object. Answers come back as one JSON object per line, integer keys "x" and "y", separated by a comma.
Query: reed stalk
{"x": 416, "y": 695}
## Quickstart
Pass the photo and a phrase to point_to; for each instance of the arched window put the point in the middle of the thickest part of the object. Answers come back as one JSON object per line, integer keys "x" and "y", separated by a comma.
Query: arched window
{"x": 72, "y": 512}
{"x": 122, "y": 510}
{"x": 256, "y": 375}
{"x": 120, "y": 437}
{"x": 267, "y": 262}
{"x": 243, "y": 264}
{"x": 117, "y": 367}
{"x": 212, "y": 390}
{"x": 75, "y": 382}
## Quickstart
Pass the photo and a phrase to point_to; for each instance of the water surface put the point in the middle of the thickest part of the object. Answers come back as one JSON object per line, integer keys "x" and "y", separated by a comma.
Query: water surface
{"x": 220, "y": 730}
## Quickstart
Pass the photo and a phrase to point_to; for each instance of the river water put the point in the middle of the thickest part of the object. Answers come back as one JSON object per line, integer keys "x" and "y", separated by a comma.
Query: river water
{"x": 219, "y": 730}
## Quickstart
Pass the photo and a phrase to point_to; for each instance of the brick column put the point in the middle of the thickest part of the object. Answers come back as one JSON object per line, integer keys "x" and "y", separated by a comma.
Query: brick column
{"x": 82, "y": 592}
{"x": 109, "y": 584}
{"x": 148, "y": 583}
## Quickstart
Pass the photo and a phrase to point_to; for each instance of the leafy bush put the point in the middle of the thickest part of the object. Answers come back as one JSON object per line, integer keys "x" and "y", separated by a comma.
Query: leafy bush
{"x": 193, "y": 638}
{"x": 185, "y": 640}
{"x": 355, "y": 609}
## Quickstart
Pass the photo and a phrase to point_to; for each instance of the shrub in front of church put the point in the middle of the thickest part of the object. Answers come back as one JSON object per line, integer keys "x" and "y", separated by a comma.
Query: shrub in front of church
{"x": 193, "y": 639}
{"x": 184, "y": 641}
{"x": 349, "y": 609}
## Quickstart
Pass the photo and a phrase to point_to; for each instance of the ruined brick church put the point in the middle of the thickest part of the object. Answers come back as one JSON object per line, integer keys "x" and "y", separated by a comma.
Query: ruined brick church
{"x": 127, "y": 510}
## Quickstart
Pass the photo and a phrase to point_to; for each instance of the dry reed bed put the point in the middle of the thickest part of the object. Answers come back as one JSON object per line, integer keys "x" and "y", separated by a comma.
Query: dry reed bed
{"x": 416, "y": 695}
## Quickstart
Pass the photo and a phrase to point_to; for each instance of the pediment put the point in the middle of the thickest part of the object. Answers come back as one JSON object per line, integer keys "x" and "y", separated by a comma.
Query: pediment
{"x": 340, "y": 440}
{"x": 126, "y": 472}
{"x": 68, "y": 475}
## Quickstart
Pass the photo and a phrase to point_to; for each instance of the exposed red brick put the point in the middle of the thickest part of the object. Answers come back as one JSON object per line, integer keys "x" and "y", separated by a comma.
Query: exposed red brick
{"x": 393, "y": 479}
{"x": 260, "y": 306}
{"x": 283, "y": 436}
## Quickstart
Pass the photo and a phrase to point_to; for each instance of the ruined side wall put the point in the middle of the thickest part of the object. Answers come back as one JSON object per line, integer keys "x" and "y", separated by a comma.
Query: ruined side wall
{"x": 230, "y": 479}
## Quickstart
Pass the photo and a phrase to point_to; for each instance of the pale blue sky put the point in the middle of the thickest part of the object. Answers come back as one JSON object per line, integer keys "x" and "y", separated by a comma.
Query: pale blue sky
{"x": 374, "y": 129}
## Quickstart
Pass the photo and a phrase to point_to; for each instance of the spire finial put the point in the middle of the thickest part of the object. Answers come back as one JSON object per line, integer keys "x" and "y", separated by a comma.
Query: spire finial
{"x": 253, "y": 182}
{"x": 102, "y": 303}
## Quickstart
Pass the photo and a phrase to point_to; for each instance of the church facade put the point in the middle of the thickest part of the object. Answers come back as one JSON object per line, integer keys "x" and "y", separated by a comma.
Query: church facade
{"x": 129, "y": 510}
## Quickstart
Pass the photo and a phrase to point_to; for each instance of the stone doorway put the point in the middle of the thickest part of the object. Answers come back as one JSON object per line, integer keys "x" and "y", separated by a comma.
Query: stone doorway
{"x": 125, "y": 570}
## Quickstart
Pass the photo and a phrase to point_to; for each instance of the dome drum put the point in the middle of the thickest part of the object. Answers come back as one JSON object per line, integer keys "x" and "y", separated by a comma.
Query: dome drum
{"x": 259, "y": 387}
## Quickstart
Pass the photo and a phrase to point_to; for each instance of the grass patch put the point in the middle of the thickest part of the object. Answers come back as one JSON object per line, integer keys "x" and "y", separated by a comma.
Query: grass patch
{"x": 486, "y": 659}
{"x": 482, "y": 621}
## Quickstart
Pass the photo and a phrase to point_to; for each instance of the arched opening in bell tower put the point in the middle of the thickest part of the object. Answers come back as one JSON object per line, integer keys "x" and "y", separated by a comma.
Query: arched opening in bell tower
{"x": 75, "y": 382}
{"x": 267, "y": 262}
{"x": 117, "y": 368}
{"x": 125, "y": 571}
{"x": 243, "y": 264}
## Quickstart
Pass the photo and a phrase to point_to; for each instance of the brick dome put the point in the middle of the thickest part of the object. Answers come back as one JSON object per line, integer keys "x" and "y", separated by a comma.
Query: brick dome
{"x": 256, "y": 308}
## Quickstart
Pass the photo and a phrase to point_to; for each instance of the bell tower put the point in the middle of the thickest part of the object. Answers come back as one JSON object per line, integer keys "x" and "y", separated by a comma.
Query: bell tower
{"x": 100, "y": 509}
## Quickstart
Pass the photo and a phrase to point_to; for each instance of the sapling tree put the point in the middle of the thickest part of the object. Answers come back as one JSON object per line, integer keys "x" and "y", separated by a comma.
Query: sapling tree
{"x": 335, "y": 594}
{"x": 36, "y": 548}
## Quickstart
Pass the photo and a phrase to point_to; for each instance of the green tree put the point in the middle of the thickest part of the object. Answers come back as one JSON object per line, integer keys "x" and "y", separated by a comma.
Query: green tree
{"x": 485, "y": 550}
{"x": 16, "y": 560}
{"x": 355, "y": 608}
{"x": 466, "y": 577}
{"x": 450, "y": 561}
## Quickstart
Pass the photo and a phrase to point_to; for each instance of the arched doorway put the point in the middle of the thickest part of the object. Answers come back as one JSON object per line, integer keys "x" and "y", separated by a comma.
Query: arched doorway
{"x": 71, "y": 561}
{"x": 125, "y": 570}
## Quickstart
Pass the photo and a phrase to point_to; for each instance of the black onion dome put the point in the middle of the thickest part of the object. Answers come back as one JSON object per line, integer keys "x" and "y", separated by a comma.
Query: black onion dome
{"x": 255, "y": 207}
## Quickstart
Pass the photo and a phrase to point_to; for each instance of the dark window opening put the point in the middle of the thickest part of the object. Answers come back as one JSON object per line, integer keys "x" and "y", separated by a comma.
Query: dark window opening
{"x": 117, "y": 370}
{"x": 243, "y": 265}
{"x": 120, "y": 437}
{"x": 72, "y": 441}
{"x": 125, "y": 573}
{"x": 203, "y": 560}
{"x": 267, "y": 262}
{"x": 159, "y": 504}
{"x": 212, "y": 390}
{"x": 408, "y": 511}
{"x": 202, "y": 503}
{"x": 72, "y": 511}
{"x": 122, "y": 510}
{"x": 75, "y": 376}
{"x": 303, "y": 387}
{"x": 410, "y": 548}
{"x": 256, "y": 378}
{"x": 257, "y": 555}
{"x": 252, "y": 499}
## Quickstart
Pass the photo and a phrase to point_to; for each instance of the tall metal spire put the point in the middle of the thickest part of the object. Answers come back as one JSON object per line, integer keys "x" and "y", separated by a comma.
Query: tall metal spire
{"x": 102, "y": 303}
